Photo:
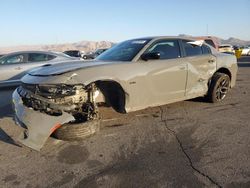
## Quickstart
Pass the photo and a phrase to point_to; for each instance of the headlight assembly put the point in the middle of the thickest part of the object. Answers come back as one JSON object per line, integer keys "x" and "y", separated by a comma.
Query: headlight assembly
{"x": 51, "y": 91}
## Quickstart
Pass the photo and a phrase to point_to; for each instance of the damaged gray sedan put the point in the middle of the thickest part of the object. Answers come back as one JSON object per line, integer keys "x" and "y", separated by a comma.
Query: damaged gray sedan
{"x": 64, "y": 99}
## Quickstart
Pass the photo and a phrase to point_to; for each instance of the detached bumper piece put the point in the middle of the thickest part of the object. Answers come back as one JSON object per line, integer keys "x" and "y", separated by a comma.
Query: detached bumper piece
{"x": 39, "y": 126}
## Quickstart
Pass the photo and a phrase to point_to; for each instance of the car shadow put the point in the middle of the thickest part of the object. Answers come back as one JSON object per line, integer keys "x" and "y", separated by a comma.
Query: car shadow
{"x": 198, "y": 99}
{"x": 245, "y": 64}
{"x": 4, "y": 137}
{"x": 6, "y": 111}
{"x": 6, "y": 102}
{"x": 244, "y": 59}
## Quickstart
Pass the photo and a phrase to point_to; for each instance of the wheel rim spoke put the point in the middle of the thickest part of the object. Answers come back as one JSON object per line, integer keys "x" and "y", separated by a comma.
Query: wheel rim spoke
{"x": 225, "y": 84}
{"x": 218, "y": 94}
{"x": 222, "y": 89}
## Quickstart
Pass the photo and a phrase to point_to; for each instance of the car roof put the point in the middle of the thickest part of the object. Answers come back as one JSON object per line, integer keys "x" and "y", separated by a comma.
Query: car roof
{"x": 175, "y": 37}
{"x": 72, "y": 51}
{"x": 164, "y": 37}
{"x": 34, "y": 51}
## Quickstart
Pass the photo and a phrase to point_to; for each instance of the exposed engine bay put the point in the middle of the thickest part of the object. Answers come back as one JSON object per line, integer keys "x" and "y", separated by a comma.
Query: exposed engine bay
{"x": 45, "y": 109}
{"x": 77, "y": 100}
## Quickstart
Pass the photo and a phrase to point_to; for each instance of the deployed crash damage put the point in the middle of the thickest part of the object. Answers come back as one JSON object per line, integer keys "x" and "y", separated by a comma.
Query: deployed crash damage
{"x": 77, "y": 100}
{"x": 47, "y": 107}
{"x": 133, "y": 75}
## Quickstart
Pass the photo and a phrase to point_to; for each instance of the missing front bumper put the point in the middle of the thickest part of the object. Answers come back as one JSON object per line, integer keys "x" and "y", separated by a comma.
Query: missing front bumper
{"x": 39, "y": 125}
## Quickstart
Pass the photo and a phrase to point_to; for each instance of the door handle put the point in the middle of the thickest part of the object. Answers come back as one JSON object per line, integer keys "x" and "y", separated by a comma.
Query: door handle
{"x": 182, "y": 68}
{"x": 18, "y": 68}
{"x": 211, "y": 61}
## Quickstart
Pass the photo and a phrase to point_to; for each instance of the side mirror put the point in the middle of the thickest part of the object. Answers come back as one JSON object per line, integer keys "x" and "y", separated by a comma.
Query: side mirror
{"x": 151, "y": 55}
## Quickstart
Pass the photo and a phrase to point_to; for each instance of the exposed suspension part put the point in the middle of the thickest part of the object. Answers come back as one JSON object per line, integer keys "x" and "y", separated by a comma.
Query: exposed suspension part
{"x": 81, "y": 102}
{"x": 89, "y": 108}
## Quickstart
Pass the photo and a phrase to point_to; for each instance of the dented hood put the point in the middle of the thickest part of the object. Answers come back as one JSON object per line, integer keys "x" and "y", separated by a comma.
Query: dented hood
{"x": 60, "y": 68}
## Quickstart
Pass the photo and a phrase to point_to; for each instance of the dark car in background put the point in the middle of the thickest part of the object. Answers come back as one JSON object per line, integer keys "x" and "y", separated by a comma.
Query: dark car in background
{"x": 74, "y": 53}
{"x": 93, "y": 55}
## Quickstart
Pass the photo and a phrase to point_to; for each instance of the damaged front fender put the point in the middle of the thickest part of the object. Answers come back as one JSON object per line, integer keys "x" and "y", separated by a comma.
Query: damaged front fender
{"x": 39, "y": 126}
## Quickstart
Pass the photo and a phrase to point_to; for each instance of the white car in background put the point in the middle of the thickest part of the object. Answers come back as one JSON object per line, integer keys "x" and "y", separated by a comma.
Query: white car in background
{"x": 245, "y": 50}
{"x": 14, "y": 66}
{"x": 226, "y": 48}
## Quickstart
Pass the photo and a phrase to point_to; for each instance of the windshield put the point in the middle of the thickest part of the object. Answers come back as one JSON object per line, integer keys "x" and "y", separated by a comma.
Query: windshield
{"x": 124, "y": 51}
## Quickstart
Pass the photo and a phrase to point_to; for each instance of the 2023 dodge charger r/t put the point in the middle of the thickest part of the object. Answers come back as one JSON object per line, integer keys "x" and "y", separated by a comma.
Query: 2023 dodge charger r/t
{"x": 130, "y": 76}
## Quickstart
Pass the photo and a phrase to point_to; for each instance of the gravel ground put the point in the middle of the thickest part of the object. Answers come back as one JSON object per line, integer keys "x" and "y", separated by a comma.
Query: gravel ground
{"x": 185, "y": 144}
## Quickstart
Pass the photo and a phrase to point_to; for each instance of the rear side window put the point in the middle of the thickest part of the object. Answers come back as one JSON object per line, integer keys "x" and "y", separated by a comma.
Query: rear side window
{"x": 20, "y": 58}
{"x": 210, "y": 42}
{"x": 37, "y": 57}
{"x": 206, "y": 49}
{"x": 50, "y": 57}
{"x": 191, "y": 49}
{"x": 168, "y": 49}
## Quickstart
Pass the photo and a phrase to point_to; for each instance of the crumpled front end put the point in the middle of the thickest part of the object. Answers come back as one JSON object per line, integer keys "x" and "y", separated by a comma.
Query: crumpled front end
{"x": 41, "y": 109}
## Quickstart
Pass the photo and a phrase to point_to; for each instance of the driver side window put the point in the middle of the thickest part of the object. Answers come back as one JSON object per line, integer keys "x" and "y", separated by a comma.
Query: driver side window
{"x": 14, "y": 59}
{"x": 168, "y": 49}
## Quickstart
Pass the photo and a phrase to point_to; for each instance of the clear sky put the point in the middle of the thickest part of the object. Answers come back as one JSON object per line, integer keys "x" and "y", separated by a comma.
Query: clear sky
{"x": 28, "y": 22}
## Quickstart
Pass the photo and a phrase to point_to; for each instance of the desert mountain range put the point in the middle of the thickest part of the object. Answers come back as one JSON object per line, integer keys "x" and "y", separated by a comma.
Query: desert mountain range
{"x": 87, "y": 46}
{"x": 234, "y": 41}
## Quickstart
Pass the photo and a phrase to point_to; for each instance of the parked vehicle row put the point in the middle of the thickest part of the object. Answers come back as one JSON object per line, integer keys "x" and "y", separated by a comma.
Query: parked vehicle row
{"x": 93, "y": 55}
{"x": 245, "y": 50}
{"x": 132, "y": 75}
{"x": 230, "y": 49}
{"x": 74, "y": 53}
{"x": 82, "y": 55}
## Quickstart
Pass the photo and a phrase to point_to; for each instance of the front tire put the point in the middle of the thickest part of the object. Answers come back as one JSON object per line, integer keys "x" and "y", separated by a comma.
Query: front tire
{"x": 77, "y": 131}
{"x": 219, "y": 87}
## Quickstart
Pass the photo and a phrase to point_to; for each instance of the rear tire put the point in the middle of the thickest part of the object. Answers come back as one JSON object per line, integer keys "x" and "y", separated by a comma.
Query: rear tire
{"x": 77, "y": 131}
{"x": 219, "y": 87}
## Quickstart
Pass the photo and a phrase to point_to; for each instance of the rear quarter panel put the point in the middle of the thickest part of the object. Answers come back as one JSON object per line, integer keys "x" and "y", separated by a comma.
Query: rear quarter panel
{"x": 229, "y": 62}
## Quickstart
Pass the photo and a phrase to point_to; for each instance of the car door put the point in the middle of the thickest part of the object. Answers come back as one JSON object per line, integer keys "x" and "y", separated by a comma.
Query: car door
{"x": 167, "y": 76}
{"x": 11, "y": 67}
{"x": 201, "y": 66}
{"x": 35, "y": 59}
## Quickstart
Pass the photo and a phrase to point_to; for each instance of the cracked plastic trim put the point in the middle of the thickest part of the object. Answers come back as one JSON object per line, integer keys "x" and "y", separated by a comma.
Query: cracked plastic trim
{"x": 39, "y": 125}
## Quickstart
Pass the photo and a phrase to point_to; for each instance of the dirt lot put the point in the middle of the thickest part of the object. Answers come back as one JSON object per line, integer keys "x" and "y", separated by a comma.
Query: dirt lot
{"x": 185, "y": 144}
